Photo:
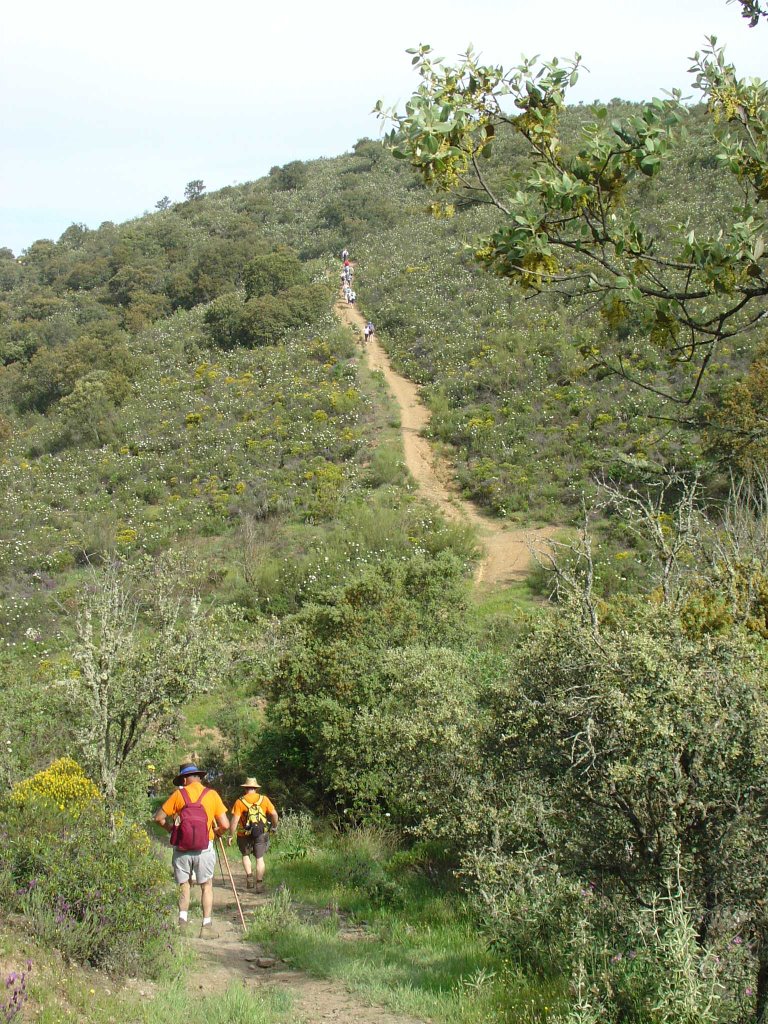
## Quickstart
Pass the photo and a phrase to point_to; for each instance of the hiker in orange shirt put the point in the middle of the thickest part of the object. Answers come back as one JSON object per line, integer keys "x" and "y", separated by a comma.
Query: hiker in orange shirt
{"x": 193, "y": 815}
{"x": 251, "y": 817}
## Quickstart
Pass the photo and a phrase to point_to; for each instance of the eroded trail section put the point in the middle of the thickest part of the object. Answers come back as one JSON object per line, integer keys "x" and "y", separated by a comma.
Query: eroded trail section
{"x": 228, "y": 960}
{"x": 507, "y": 556}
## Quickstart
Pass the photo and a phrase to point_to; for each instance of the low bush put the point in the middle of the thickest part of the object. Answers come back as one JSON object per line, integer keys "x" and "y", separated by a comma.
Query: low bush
{"x": 102, "y": 899}
{"x": 295, "y": 838}
{"x": 272, "y": 273}
{"x": 386, "y": 467}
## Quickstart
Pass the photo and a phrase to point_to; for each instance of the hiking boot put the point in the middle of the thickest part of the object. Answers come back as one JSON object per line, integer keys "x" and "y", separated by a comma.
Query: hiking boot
{"x": 182, "y": 925}
{"x": 250, "y": 881}
{"x": 260, "y": 887}
{"x": 207, "y": 931}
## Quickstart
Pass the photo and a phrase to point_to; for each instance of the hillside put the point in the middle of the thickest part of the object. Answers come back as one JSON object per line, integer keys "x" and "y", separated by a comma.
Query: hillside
{"x": 214, "y": 544}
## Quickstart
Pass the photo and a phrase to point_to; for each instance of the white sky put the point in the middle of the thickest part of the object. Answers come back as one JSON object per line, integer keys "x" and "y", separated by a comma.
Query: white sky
{"x": 106, "y": 107}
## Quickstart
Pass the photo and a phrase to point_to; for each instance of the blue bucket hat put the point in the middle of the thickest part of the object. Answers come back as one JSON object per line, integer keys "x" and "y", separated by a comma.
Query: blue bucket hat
{"x": 188, "y": 768}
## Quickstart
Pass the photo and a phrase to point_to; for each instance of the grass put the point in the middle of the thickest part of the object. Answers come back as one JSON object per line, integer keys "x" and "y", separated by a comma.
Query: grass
{"x": 355, "y": 911}
{"x": 58, "y": 994}
{"x": 236, "y": 1006}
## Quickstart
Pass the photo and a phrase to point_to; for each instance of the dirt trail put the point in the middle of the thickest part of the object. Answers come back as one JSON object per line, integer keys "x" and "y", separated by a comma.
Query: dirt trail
{"x": 228, "y": 960}
{"x": 507, "y": 557}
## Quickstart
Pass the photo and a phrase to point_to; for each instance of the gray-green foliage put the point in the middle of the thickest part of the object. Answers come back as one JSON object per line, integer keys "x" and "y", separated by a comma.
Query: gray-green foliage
{"x": 273, "y": 273}
{"x": 98, "y": 895}
{"x": 651, "y": 740}
{"x": 572, "y": 224}
{"x": 623, "y": 760}
{"x": 334, "y": 669}
{"x": 142, "y": 651}
{"x": 420, "y": 738}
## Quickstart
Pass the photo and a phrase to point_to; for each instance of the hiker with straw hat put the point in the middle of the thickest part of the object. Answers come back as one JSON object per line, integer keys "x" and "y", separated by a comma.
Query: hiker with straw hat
{"x": 193, "y": 814}
{"x": 251, "y": 818}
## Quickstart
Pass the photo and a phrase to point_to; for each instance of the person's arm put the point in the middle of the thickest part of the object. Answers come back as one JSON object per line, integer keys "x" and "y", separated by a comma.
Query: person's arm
{"x": 165, "y": 814}
{"x": 271, "y": 812}
{"x": 222, "y": 824}
{"x": 161, "y": 819}
{"x": 234, "y": 821}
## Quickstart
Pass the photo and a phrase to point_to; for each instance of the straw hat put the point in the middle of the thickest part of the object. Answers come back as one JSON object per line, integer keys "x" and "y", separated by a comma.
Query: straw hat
{"x": 250, "y": 783}
{"x": 188, "y": 768}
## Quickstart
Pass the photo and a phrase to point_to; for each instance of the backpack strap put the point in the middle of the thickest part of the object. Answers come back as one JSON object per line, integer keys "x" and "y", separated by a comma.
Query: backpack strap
{"x": 188, "y": 800}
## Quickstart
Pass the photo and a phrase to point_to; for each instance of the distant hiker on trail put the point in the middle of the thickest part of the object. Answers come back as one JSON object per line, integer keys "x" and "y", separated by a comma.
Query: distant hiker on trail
{"x": 192, "y": 814}
{"x": 351, "y": 297}
{"x": 345, "y": 255}
{"x": 368, "y": 332}
{"x": 252, "y": 816}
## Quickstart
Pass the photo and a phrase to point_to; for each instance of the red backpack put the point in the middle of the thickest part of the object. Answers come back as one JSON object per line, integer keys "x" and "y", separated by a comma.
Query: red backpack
{"x": 191, "y": 833}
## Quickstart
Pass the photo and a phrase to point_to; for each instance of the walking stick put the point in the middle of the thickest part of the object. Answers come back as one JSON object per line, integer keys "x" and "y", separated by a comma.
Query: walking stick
{"x": 232, "y": 883}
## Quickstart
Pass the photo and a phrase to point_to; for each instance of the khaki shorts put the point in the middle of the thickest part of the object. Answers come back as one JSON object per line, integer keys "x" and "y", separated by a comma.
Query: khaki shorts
{"x": 196, "y": 866}
{"x": 248, "y": 845}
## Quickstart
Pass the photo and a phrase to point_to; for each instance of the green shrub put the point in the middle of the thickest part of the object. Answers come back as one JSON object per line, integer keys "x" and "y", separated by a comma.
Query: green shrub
{"x": 288, "y": 177}
{"x": 272, "y": 273}
{"x": 268, "y": 318}
{"x": 386, "y": 467}
{"x": 295, "y": 837}
{"x": 223, "y": 321}
{"x": 333, "y": 672}
{"x": 101, "y": 900}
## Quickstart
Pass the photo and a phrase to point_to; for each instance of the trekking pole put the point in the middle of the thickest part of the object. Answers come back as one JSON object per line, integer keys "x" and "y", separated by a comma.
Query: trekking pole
{"x": 232, "y": 883}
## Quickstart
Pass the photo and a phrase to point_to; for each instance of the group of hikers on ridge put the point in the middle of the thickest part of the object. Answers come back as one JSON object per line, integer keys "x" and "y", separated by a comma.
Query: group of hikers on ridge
{"x": 195, "y": 816}
{"x": 347, "y": 273}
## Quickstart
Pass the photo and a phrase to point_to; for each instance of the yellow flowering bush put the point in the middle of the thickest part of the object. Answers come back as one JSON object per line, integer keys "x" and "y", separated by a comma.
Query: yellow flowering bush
{"x": 64, "y": 782}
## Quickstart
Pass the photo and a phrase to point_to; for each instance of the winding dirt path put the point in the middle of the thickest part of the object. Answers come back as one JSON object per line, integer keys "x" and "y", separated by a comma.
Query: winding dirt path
{"x": 229, "y": 960}
{"x": 507, "y": 557}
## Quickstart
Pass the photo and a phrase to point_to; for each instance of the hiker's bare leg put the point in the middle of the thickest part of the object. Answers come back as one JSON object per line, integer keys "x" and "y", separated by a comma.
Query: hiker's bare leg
{"x": 206, "y": 897}
{"x": 246, "y": 864}
{"x": 260, "y": 869}
{"x": 184, "y": 896}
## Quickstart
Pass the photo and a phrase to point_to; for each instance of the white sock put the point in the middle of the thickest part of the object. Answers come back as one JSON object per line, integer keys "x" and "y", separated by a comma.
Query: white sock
{"x": 206, "y": 920}
{"x": 182, "y": 915}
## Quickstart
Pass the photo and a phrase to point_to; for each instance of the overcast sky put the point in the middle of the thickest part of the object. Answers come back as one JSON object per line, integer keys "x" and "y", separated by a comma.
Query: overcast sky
{"x": 106, "y": 108}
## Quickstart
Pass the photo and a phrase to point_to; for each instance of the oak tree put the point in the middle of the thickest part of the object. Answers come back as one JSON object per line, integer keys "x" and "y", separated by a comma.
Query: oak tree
{"x": 574, "y": 225}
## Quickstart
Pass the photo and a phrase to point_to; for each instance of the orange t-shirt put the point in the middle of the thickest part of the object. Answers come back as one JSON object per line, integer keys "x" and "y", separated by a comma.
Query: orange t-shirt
{"x": 212, "y": 802}
{"x": 242, "y": 804}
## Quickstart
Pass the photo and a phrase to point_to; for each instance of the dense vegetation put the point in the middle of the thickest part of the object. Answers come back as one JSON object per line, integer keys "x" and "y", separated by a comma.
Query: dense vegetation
{"x": 205, "y": 502}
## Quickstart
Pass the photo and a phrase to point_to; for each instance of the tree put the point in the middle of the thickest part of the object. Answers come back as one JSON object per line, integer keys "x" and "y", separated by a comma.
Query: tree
{"x": 194, "y": 189}
{"x": 165, "y": 202}
{"x": 289, "y": 177}
{"x": 141, "y": 653}
{"x": 573, "y": 226}
{"x": 630, "y": 759}
{"x": 272, "y": 273}
{"x": 752, "y": 10}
